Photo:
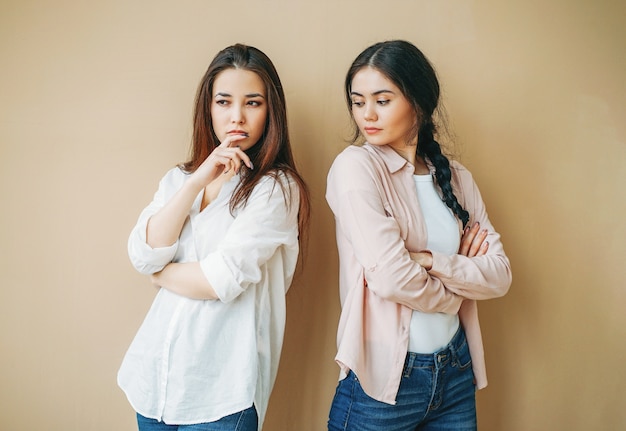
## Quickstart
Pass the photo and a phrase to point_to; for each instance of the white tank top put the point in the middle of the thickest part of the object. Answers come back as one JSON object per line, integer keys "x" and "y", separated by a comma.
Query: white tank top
{"x": 430, "y": 332}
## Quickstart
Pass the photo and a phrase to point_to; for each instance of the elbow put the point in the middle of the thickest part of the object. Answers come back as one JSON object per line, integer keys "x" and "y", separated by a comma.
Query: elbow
{"x": 506, "y": 284}
{"x": 506, "y": 277}
{"x": 382, "y": 283}
{"x": 381, "y": 290}
{"x": 146, "y": 268}
{"x": 502, "y": 286}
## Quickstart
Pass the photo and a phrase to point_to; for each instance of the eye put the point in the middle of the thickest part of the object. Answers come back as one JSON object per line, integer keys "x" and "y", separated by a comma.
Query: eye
{"x": 357, "y": 103}
{"x": 222, "y": 102}
{"x": 383, "y": 102}
{"x": 254, "y": 103}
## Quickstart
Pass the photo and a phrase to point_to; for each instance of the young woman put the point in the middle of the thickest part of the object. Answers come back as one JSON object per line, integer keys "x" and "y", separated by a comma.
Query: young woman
{"x": 416, "y": 251}
{"x": 220, "y": 240}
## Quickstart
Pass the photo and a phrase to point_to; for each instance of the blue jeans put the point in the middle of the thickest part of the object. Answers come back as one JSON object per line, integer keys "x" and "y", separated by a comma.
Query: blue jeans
{"x": 437, "y": 392}
{"x": 245, "y": 420}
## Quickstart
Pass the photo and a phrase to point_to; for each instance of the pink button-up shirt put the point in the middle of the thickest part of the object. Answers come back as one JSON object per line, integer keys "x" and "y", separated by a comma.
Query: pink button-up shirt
{"x": 378, "y": 222}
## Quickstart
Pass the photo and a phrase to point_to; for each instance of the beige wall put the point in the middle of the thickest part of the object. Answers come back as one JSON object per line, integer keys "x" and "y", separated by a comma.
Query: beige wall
{"x": 95, "y": 103}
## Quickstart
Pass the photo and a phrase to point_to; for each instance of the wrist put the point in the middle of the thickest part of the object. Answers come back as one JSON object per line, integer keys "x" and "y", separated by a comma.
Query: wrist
{"x": 424, "y": 258}
{"x": 194, "y": 185}
{"x": 427, "y": 260}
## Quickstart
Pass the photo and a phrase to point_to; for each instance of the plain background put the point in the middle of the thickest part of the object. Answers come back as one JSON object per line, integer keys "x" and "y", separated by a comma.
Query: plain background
{"x": 95, "y": 106}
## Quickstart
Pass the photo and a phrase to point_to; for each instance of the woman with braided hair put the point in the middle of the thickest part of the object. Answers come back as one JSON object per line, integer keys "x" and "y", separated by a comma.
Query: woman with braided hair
{"x": 416, "y": 251}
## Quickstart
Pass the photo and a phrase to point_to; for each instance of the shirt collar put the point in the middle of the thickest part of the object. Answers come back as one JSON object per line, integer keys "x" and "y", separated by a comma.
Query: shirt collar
{"x": 393, "y": 160}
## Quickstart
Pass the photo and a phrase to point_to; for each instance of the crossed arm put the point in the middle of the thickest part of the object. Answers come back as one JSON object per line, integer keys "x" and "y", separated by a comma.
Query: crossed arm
{"x": 165, "y": 226}
{"x": 472, "y": 244}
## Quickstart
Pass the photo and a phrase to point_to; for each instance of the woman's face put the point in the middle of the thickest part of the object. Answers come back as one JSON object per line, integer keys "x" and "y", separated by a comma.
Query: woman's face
{"x": 239, "y": 106}
{"x": 382, "y": 113}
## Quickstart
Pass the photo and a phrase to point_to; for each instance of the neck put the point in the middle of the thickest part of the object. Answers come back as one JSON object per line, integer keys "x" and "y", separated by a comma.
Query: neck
{"x": 407, "y": 152}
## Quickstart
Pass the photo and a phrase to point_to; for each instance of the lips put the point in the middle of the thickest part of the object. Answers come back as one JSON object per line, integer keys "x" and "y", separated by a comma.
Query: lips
{"x": 237, "y": 132}
{"x": 371, "y": 130}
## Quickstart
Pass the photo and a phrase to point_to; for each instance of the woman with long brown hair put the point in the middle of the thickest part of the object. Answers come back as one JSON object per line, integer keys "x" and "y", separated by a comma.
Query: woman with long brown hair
{"x": 220, "y": 240}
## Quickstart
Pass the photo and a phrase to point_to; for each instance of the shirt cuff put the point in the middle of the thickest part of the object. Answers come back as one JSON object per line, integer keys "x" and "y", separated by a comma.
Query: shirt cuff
{"x": 145, "y": 258}
{"x": 441, "y": 265}
{"x": 220, "y": 277}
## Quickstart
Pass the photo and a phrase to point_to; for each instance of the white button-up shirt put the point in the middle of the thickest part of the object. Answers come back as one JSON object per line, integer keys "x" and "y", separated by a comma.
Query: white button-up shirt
{"x": 195, "y": 361}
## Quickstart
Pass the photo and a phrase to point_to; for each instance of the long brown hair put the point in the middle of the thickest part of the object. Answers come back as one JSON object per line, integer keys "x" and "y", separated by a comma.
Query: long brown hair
{"x": 272, "y": 154}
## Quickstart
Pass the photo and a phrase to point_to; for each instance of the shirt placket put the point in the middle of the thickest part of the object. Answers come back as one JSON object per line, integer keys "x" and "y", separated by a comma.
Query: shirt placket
{"x": 165, "y": 361}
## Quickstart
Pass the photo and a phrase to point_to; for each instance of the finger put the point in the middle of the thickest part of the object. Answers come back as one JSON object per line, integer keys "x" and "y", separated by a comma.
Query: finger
{"x": 477, "y": 243}
{"x": 483, "y": 249}
{"x": 238, "y": 137}
{"x": 234, "y": 144}
{"x": 243, "y": 157}
{"x": 222, "y": 160}
{"x": 228, "y": 166}
{"x": 237, "y": 155}
{"x": 465, "y": 242}
{"x": 468, "y": 237}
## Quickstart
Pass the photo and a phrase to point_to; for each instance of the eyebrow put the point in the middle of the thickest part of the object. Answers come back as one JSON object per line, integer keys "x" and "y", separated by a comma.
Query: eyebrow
{"x": 375, "y": 93}
{"x": 251, "y": 95}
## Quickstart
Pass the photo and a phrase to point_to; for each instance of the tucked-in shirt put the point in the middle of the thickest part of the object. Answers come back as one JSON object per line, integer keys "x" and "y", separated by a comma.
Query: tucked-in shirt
{"x": 378, "y": 222}
{"x": 430, "y": 332}
{"x": 195, "y": 361}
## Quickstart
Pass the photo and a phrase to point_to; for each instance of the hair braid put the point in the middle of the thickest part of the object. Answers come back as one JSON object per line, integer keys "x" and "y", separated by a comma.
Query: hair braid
{"x": 430, "y": 148}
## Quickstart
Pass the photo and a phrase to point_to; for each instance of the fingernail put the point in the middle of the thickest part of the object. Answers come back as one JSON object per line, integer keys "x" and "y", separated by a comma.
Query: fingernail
{"x": 251, "y": 165}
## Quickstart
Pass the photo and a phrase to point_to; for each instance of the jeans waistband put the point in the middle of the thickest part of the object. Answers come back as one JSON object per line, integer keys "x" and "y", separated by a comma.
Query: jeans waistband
{"x": 442, "y": 355}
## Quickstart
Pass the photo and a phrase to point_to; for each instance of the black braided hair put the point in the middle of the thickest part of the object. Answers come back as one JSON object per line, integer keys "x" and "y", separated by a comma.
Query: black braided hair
{"x": 430, "y": 148}
{"x": 409, "y": 69}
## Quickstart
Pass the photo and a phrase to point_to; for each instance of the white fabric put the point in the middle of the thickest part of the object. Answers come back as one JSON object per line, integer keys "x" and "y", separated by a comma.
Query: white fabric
{"x": 195, "y": 361}
{"x": 430, "y": 332}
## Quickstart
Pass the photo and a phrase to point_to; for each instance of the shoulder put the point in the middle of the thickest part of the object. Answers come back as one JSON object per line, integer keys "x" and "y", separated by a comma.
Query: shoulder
{"x": 174, "y": 176}
{"x": 464, "y": 183}
{"x": 274, "y": 178}
{"x": 172, "y": 180}
{"x": 460, "y": 173}
{"x": 355, "y": 169}
{"x": 352, "y": 155}
{"x": 276, "y": 183}
{"x": 355, "y": 163}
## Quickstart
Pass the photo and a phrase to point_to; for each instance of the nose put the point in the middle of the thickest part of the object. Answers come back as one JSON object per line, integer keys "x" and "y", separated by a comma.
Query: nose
{"x": 369, "y": 113}
{"x": 237, "y": 115}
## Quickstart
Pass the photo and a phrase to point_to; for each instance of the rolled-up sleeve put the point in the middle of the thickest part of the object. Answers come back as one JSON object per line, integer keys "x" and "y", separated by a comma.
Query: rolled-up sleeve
{"x": 144, "y": 258}
{"x": 268, "y": 221}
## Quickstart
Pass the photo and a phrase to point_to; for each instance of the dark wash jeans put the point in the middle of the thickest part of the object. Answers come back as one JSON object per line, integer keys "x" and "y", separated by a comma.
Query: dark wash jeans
{"x": 437, "y": 392}
{"x": 245, "y": 420}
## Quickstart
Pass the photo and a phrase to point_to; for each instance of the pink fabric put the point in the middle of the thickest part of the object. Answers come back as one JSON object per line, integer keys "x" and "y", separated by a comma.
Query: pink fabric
{"x": 378, "y": 222}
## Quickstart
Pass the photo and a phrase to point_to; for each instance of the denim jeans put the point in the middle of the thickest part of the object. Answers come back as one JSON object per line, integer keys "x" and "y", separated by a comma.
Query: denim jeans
{"x": 245, "y": 420}
{"x": 437, "y": 392}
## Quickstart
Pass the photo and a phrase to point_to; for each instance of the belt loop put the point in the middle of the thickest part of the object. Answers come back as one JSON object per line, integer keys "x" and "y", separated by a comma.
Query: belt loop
{"x": 454, "y": 357}
{"x": 408, "y": 366}
{"x": 453, "y": 346}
